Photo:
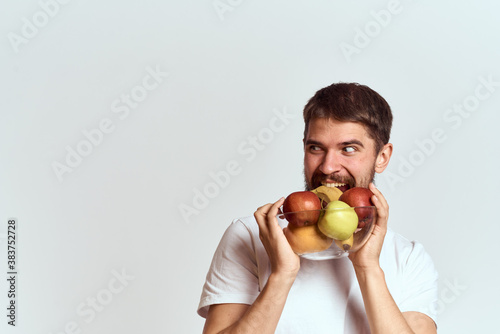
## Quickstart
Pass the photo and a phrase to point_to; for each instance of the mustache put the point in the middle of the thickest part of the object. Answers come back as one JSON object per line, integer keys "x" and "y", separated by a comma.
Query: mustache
{"x": 319, "y": 178}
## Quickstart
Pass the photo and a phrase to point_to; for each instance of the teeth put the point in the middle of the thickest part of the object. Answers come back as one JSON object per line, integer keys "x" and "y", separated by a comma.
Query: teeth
{"x": 333, "y": 184}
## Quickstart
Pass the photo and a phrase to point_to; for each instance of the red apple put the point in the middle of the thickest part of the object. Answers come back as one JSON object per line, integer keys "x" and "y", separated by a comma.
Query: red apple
{"x": 302, "y": 208}
{"x": 359, "y": 197}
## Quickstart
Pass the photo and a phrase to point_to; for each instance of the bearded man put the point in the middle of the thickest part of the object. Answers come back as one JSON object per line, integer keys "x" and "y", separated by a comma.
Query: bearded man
{"x": 257, "y": 284}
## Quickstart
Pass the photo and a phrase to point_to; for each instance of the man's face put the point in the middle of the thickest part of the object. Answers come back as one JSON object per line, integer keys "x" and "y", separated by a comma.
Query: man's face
{"x": 338, "y": 154}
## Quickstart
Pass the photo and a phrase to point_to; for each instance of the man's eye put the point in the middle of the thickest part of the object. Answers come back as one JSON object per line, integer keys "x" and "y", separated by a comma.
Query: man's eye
{"x": 314, "y": 148}
{"x": 349, "y": 149}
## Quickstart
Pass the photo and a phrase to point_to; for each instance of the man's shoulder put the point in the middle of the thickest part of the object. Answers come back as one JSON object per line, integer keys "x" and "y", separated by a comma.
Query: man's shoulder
{"x": 395, "y": 242}
{"x": 250, "y": 224}
{"x": 243, "y": 230}
{"x": 394, "y": 237}
{"x": 401, "y": 250}
{"x": 248, "y": 221}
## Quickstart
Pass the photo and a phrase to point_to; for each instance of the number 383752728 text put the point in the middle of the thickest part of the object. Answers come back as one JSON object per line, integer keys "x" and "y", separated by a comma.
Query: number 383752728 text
{"x": 11, "y": 245}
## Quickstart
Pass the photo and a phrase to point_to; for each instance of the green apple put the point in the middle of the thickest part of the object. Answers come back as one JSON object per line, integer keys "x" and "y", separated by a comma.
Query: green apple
{"x": 339, "y": 221}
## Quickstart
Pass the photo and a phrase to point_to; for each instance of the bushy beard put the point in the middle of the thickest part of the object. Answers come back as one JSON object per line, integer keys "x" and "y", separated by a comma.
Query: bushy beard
{"x": 318, "y": 177}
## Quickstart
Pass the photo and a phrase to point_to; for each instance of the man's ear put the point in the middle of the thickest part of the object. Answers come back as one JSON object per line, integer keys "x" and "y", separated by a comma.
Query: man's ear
{"x": 383, "y": 158}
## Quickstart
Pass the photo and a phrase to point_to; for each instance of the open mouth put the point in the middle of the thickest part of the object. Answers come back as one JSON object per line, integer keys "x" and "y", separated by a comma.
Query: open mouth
{"x": 341, "y": 186}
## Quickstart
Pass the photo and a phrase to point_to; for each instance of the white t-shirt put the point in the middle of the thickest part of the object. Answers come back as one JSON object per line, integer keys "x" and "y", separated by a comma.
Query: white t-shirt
{"x": 325, "y": 297}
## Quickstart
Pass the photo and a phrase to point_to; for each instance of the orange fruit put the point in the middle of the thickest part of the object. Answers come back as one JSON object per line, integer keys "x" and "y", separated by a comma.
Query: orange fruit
{"x": 306, "y": 239}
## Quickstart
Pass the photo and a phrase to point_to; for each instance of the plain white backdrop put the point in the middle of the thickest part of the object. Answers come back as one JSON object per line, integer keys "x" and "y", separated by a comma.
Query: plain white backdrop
{"x": 132, "y": 133}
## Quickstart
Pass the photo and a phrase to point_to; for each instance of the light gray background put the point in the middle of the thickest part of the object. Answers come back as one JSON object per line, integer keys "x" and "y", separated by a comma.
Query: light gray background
{"x": 230, "y": 72}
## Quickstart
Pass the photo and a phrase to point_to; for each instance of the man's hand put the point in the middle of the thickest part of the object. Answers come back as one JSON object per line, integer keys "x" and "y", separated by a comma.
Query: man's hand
{"x": 383, "y": 314}
{"x": 264, "y": 314}
{"x": 368, "y": 256}
{"x": 281, "y": 256}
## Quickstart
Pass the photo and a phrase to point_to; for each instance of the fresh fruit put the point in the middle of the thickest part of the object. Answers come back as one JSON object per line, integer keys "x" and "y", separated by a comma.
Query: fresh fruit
{"x": 359, "y": 197}
{"x": 306, "y": 239}
{"x": 305, "y": 207}
{"x": 345, "y": 244}
{"x": 327, "y": 194}
{"x": 339, "y": 221}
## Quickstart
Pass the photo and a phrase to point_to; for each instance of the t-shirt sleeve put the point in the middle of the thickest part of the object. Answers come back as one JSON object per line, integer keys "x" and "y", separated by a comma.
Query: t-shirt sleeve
{"x": 420, "y": 290}
{"x": 233, "y": 273}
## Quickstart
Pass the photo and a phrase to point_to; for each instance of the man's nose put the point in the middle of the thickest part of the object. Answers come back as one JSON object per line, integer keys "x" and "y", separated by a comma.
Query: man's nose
{"x": 330, "y": 164}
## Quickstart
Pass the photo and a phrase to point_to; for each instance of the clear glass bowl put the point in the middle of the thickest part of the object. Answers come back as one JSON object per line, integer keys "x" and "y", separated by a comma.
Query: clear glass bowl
{"x": 366, "y": 222}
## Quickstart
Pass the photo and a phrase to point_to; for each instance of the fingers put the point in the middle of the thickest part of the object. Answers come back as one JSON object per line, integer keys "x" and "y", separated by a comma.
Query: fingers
{"x": 275, "y": 208}
{"x": 270, "y": 208}
{"x": 381, "y": 204}
{"x": 267, "y": 213}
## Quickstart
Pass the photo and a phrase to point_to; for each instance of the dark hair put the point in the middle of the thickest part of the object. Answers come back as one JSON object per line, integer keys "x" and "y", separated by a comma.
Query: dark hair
{"x": 352, "y": 102}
